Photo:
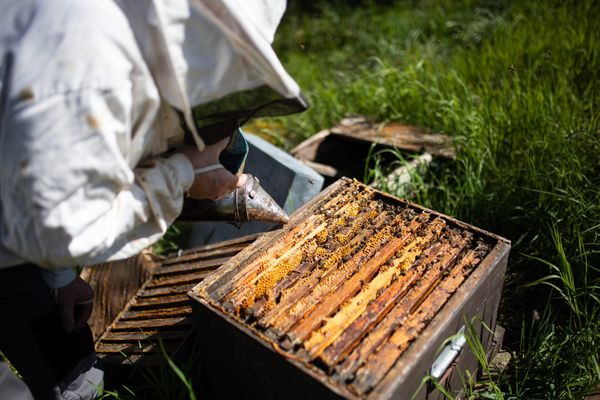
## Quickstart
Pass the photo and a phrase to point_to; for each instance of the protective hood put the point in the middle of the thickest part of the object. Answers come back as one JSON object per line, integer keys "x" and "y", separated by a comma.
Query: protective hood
{"x": 212, "y": 61}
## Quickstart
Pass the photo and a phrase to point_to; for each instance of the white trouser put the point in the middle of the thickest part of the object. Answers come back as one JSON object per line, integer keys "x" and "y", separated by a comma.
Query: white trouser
{"x": 11, "y": 386}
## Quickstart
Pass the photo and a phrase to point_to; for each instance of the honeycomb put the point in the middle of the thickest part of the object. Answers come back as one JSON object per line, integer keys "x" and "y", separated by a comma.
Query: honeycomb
{"x": 348, "y": 288}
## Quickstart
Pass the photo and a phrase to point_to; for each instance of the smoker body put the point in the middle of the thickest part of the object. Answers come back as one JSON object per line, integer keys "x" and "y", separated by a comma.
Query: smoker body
{"x": 244, "y": 204}
{"x": 247, "y": 363}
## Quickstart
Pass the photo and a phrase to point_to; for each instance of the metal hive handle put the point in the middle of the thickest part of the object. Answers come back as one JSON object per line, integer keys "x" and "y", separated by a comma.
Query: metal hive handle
{"x": 448, "y": 354}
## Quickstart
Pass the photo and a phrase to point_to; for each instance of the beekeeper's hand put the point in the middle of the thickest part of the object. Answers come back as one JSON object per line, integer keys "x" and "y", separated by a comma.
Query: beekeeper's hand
{"x": 213, "y": 183}
{"x": 74, "y": 302}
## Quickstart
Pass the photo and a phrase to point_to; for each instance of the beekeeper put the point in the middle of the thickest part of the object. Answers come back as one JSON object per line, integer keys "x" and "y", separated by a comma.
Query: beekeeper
{"x": 96, "y": 101}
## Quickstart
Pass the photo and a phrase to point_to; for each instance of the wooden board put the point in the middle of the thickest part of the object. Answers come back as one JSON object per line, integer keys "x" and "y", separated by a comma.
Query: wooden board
{"x": 114, "y": 284}
{"x": 158, "y": 308}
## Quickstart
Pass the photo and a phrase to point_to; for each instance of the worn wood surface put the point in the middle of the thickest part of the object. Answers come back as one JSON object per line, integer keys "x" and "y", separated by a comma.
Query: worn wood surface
{"x": 217, "y": 285}
{"x": 349, "y": 291}
{"x": 273, "y": 262}
{"x": 414, "y": 319}
{"x": 341, "y": 291}
{"x": 272, "y": 270}
{"x": 354, "y": 306}
{"x": 151, "y": 302}
{"x": 393, "y": 135}
{"x": 396, "y": 135}
{"x": 235, "y": 273}
{"x": 377, "y": 336}
{"x": 160, "y": 309}
{"x": 358, "y": 269}
{"x": 209, "y": 264}
{"x": 156, "y": 313}
{"x": 299, "y": 298}
{"x": 115, "y": 283}
{"x": 474, "y": 302}
{"x": 377, "y": 309}
{"x": 308, "y": 270}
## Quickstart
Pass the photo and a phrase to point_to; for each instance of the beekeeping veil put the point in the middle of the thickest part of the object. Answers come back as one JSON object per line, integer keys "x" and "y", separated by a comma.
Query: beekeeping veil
{"x": 212, "y": 61}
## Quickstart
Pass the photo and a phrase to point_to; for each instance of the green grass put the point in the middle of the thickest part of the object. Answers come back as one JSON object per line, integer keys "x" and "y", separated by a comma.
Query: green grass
{"x": 176, "y": 238}
{"x": 517, "y": 85}
{"x": 171, "y": 380}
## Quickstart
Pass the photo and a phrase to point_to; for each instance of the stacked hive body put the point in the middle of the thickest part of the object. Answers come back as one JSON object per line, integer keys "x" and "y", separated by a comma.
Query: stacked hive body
{"x": 160, "y": 311}
{"x": 346, "y": 289}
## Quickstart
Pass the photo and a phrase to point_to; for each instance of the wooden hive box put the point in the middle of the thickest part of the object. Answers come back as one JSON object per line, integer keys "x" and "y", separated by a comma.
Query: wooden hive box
{"x": 155, "y": 307}
{"x": 354, "y": 298}
{"x": 361, "y": 138}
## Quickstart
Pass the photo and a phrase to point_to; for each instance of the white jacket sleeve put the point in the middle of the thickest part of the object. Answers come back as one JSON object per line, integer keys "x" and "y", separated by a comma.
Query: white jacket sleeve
{"x": 68, "y": 194}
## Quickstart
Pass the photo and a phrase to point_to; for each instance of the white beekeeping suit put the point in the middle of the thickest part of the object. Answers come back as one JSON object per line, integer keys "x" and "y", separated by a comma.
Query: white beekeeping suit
{"x": 92, "y": 95}
{"x": 92, "y": 91}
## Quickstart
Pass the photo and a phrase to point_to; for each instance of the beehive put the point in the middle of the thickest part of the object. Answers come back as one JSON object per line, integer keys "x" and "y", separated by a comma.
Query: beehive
{"x": 349, "y": 286}
{"x": 160, "y": 310}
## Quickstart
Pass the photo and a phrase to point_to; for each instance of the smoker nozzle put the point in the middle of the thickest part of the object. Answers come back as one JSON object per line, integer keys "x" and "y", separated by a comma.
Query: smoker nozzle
{"x": 247, "y": 203}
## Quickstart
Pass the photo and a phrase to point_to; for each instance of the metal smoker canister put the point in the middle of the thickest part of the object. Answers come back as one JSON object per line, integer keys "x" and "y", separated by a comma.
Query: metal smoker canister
{"x": 247, "y": 203}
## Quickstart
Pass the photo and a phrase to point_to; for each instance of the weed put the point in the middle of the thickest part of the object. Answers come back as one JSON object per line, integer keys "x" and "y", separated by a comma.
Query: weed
{"x": 174, "y": 239}
{"x": 167, "y": 381}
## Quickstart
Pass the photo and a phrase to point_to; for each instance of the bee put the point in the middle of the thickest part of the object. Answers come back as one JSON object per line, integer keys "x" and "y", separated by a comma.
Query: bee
{"x": 385, "y": 267}
{"x": 321, "y": 236}
{"x": 353, "y": 209}
{"x": 342, "y": 238}
{"x": 342, "y": 221}
{"x": 290, "y": 290}
{"x": 359, "y": 223}
{"x": 308, "y": 249}
{"x": 375, "y": 241}
{"x": 336, "y": 257}
{"x": 320, "y": 252}
{"x": 269, "y": 305}
{"x": 331, "y": 261}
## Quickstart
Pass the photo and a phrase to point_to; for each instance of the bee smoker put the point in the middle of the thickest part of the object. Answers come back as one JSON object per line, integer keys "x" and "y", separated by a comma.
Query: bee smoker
{"x": 247, "y": 203}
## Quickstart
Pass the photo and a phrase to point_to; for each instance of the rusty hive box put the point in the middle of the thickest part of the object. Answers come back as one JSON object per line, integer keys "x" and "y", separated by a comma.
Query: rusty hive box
{"x": 352, "y": 299}
{"x": 160, "y": 309}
